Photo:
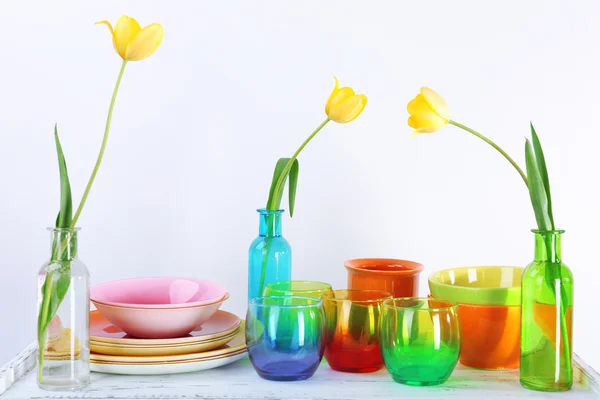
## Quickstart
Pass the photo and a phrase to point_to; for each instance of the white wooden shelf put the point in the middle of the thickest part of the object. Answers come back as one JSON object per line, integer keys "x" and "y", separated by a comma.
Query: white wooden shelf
{"x": 239, "y": 381}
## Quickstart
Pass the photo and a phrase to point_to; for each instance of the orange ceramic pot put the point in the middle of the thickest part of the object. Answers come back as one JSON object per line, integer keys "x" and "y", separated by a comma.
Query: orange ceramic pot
{"x": 490, "y": 336}
{"x": 398, "y": 277}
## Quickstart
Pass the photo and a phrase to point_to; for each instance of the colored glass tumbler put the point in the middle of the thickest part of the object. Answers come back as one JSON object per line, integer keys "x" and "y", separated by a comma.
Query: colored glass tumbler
{"x": 284, "y": 336}
{"x": 297, "y": 288}
{"x": 420, "y": 340}
{"x": 270, "y": 254}
{"x": 352, "y": 329}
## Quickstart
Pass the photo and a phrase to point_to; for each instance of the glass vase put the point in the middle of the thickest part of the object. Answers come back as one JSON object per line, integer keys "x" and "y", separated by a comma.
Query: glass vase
{"x": 270, "y": 255}
{"x": 63, "y": 316}
{"x": 546, "y": 317}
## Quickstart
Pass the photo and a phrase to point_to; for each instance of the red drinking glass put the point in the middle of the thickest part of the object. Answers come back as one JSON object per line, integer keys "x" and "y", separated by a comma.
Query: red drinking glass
{"x": 352, "y": 334}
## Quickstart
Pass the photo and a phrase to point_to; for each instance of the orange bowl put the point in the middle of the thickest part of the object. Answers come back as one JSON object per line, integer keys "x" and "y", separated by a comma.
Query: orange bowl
{"x": 490, "y": 336}
{"x": 398, "y": 277}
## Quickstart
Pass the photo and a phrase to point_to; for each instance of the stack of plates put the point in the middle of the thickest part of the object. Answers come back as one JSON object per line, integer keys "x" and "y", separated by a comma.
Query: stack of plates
{"x": 218, "y": 342}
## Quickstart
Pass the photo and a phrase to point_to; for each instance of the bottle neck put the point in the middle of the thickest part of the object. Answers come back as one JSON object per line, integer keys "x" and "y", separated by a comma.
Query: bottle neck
{"x": 548, "y": 246}
{"x": 63, "y": 244}
{"x": 270, "y": 223}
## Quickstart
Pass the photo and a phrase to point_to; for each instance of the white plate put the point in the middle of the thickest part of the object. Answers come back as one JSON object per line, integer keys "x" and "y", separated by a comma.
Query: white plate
{"x": 165, "y": 368}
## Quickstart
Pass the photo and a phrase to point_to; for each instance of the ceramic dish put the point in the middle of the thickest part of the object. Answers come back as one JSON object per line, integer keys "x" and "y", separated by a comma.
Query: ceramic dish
{"x": 166, "y": 368}
{"x": 159, "y": 323}
{"x": 237, "y": 344}
{"x": 491, "y": 285}
{"x": 398, "y": 277}
{"x": 169, "y": 350}
{"x": 164, "y": 292}
{"x": 222, "y": 323}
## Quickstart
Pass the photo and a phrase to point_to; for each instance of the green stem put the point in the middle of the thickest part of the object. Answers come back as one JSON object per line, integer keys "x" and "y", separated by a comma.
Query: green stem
{"x": 263, "y": 271}
{"x": 276, "y": 200}
{"x": 102, "y": 148}
{"x": 42, "y": 332}
{"x": 494, "y": 145}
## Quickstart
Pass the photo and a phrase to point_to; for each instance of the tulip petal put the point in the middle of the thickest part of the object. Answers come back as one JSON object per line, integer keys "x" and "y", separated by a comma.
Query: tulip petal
{"x": 333, "y": 92}
{"x": 422, "y": 117}
{"x": 145, "y": 43}
{"x": 436, "y": 102}
{"x": 349, "y": 109}
{"x": 112, "y": 32}
{"x": 126, "y": 30}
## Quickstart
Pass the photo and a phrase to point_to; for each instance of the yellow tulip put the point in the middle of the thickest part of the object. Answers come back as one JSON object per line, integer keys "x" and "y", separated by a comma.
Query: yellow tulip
{"x": 428, "y": 111}
{"x": 131, "y": 41}
{"x": 343, "y": 105}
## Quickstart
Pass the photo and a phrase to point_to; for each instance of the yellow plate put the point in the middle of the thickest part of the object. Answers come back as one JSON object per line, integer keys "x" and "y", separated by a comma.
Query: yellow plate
{"x": 238, "y": 343}
{"x": 191, "y": 360}
{"x": 136, "y": 351}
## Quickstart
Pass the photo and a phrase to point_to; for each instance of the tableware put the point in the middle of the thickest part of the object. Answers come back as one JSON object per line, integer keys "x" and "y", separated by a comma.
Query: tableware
{"x": 159, "y": 292}
{"x": 62, "y": 326}
{"x": 352, "y": 329}
{"x": 222, "y": 323}
{"x": 285, "y": 336}
{"x": 166, "y": 368}
{"x": 490, "y": 336}
{"x": 483, "y": 285}
{"x": 159, "y": 323}
{"x": 236, "y": 344}
{"x": 420, "y": 340}
{"x": 169, "y": 350}
{"x": 400, "y": 278}
{"x": 270, "y": 254}
{"x": 297, "y": 288}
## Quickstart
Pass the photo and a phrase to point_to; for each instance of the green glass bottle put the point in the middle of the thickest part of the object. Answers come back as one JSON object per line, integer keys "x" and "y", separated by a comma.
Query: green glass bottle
{"x": 546, "y": 317}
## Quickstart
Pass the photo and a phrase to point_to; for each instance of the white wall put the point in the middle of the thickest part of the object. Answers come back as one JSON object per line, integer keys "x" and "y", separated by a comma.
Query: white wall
{"x": 235, "y": 85}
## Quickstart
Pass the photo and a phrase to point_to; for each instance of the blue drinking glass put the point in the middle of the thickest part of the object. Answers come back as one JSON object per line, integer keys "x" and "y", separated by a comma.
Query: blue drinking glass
{"x": 270, "y": 255}
{"x": 284, "y": 335}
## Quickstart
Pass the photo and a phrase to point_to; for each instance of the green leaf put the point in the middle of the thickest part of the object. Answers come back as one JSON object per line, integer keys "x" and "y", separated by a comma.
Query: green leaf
{"x": 541, "y": 165}
{"x": 65, "y": 215}
{"x": 274, "y": 201}
{"x": 58, "y": 278}
{"x": 537, "y": 192}
{"x": 293, "y": 185}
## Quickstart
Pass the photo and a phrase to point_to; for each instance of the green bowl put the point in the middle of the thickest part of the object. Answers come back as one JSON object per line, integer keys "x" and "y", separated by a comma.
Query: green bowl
{"x": 486, "y": 285}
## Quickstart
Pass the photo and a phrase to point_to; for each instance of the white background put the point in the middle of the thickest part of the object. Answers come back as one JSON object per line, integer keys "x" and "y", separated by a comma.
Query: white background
{"x": 236, "y": 85}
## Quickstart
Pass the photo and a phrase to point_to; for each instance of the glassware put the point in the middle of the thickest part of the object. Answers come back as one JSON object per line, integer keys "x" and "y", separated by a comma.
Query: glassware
{"x": 297, "y": 288}
{"x": 64, "y": 356}
{"x": 284, "y": 335}
{"x": 270, "y": 255}
{"x": 546, "y": 317}
{"x": 352, "y": 334}
{"x": 420, "y": 340}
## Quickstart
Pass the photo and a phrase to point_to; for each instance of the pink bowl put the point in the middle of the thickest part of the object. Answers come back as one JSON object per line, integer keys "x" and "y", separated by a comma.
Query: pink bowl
{"x": 159, "y": 323}
{"x": 157, "y": 293}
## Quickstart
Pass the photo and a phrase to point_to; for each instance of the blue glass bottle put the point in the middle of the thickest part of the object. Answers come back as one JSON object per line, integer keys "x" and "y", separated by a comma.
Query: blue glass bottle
{"x": 270, "y": 255}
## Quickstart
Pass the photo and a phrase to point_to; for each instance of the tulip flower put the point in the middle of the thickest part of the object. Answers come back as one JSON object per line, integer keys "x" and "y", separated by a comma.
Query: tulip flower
{"x": 132, "y": 42}
{"x": 343, "y": 105}
{"x": 429, "y": 113}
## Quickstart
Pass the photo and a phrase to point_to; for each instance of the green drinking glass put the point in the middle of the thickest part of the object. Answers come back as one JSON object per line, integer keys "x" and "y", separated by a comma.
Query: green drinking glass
{"x": 419, "y": 340}
{"x": 297, "y": 288}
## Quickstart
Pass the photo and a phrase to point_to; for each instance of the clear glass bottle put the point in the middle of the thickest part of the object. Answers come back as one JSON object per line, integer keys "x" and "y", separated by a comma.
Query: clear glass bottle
{"x": 63, "y": 316}
{"x": 546, "y": 317}
{"x": 270, "y": 255}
